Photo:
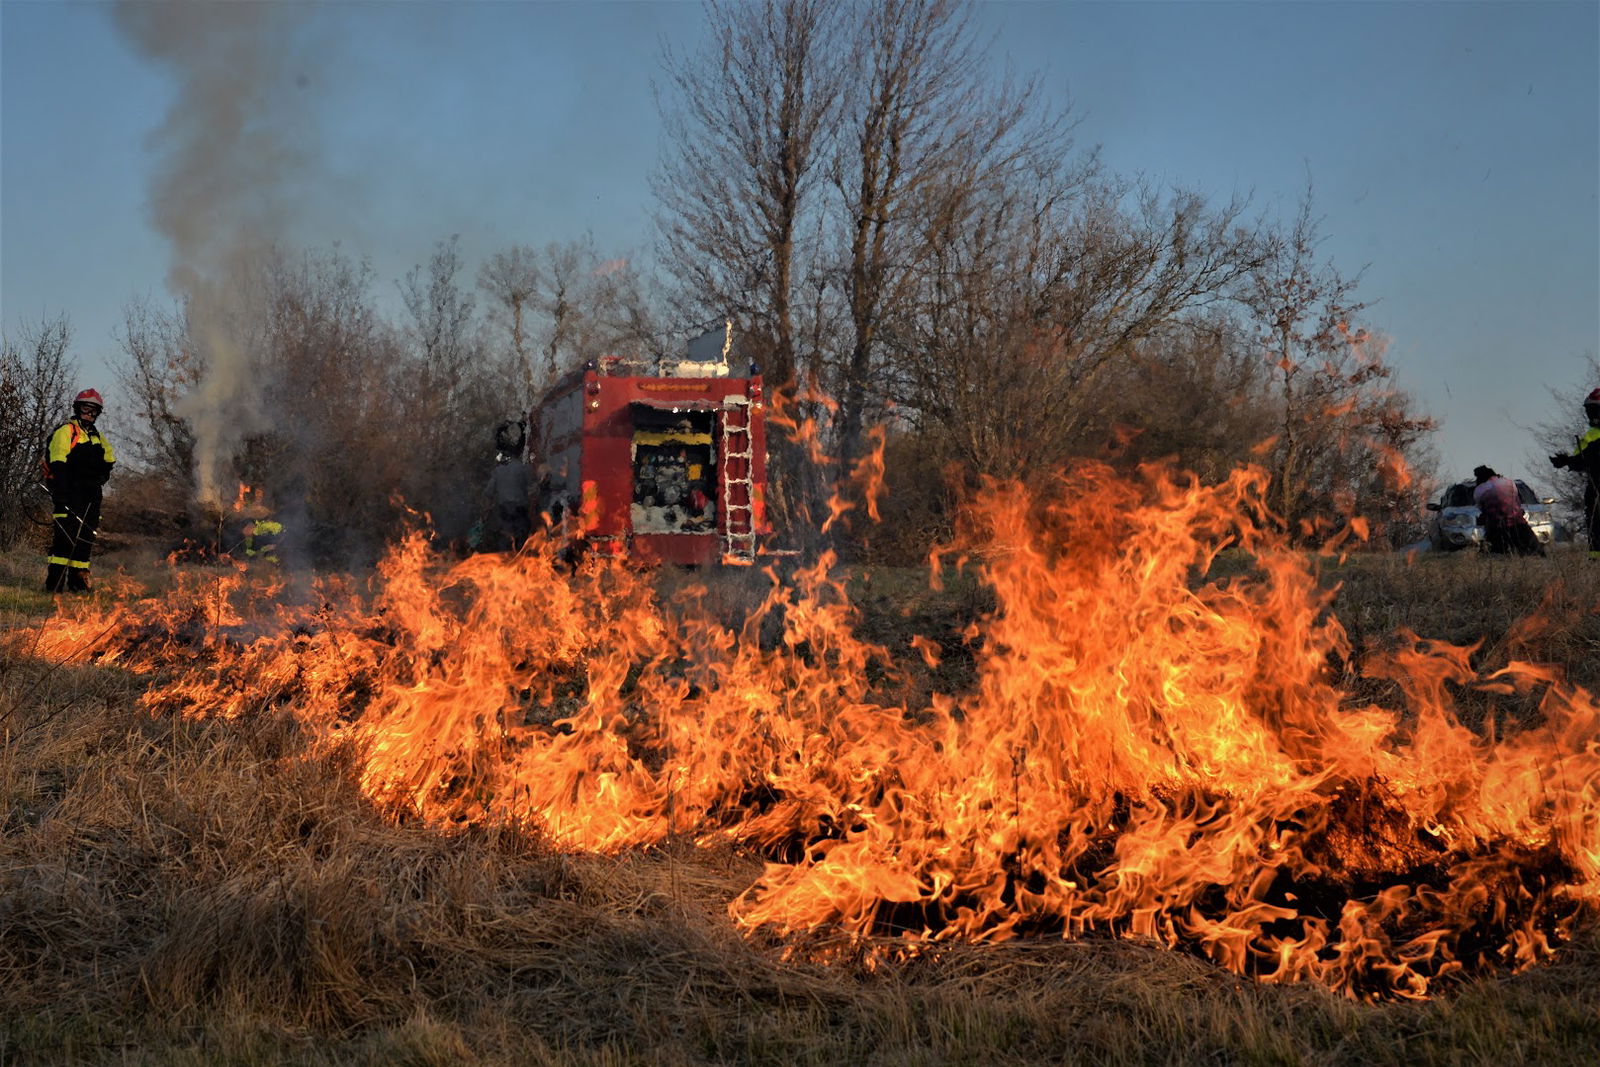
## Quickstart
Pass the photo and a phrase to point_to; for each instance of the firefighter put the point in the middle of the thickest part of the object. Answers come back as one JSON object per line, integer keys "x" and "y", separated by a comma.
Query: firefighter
{"x": 508, "y": 490}
{"x": 1505, "y": 527}
{"x": 78, "y": 460}
{"x": 1585, "y": 457}
{"x": 261, "y": 535}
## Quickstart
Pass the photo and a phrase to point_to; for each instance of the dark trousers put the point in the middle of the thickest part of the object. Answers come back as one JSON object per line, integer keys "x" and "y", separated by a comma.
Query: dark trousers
{"x": 1591, "y": 514}
{"x": 516, "y": 524}
{"x": 1514, "y": 537}
{"x": 71, "y": 543}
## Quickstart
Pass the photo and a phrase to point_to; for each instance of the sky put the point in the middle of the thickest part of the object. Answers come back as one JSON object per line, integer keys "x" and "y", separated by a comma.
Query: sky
{"x": 1453, "y": 150}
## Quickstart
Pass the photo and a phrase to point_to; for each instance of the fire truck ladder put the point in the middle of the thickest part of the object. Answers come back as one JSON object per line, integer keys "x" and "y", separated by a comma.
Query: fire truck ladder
{"x": 738, "y": 512}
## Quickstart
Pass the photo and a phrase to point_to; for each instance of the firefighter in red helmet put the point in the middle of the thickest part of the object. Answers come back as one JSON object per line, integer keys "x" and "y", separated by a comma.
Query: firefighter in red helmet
{"x": 1585, "y": 458}
{"x": 78, "y": 460}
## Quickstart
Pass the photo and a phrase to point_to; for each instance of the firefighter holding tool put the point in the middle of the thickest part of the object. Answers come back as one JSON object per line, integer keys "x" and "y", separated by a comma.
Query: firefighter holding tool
{"x": 78, "y": 460}
{"x": 1585, "y": 457}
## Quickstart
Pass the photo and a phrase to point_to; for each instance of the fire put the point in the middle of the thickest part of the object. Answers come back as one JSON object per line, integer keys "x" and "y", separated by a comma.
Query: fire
{"x": 1144, "y": 752}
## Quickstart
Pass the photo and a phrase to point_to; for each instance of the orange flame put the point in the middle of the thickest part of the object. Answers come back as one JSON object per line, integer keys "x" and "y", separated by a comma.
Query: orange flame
{"x": 1143, "y": 753}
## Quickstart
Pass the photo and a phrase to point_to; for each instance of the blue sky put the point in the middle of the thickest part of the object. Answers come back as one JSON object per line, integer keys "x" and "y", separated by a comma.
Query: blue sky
{"x": 1454, "y": 149}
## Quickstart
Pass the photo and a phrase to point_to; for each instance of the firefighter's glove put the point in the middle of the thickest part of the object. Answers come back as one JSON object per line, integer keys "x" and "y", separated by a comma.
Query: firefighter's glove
{"x": 1560, "y": 460}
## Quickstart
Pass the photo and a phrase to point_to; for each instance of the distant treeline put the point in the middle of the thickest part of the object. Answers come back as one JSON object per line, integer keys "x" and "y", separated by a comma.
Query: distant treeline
{"x": 911, "y": 249}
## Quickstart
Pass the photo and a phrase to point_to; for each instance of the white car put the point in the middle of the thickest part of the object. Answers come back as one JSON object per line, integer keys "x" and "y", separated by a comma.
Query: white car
{"x": 1455, "y": 519}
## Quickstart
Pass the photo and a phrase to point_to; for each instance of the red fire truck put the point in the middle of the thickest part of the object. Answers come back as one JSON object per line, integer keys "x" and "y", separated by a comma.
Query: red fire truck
{"x": 661, "y": 461}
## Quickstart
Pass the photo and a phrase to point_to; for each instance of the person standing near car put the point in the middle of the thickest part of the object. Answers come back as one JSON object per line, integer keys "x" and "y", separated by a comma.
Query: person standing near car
{"x": 78, "y": 460}
{"x": 1585, "y": 458}
{"x": 1505, "y": 527}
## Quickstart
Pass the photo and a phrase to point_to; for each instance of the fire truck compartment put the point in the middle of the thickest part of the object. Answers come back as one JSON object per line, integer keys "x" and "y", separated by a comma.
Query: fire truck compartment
{"x": 674, "y": 469}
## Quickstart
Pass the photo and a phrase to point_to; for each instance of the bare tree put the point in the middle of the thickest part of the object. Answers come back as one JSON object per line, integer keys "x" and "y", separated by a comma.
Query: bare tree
{"x": 748, "y": 121}
{"x": 965, "y": 278}
{"x": 352, "y": 419}
{"x": 355, "y": 419}
{"x": 34, "y": 391}
{"x": 1558, "y": 433}
{"x": 1196, "y": 392}
{"x": 336, "y": 446}
{"x": 560, "y": 302}
{"x": 450, "y": 394}
{"x": 568, "y": 303}
{"x": 512, "y": 279}
{"x": 1300, "y": 305}
{"x": 1029, "y": 305}
{"x": 161, "y": 368}
{"x": 1343, "y": 431}
{"x": 321, "y": 369}
{"x": 623, "y": 315}
{"x": 441, "y": 313}
{"x": 816, "y": 147}
{"x": 927, "y": 134}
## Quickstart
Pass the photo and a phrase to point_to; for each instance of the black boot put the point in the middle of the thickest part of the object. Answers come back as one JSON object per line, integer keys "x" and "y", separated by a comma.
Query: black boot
{"x": 55, "y": 579}
{"x": 77, "y": 580}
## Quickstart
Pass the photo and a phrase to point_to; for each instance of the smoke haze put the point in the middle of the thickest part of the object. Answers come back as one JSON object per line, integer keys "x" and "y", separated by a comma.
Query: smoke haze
{"x": 227, "y": 151}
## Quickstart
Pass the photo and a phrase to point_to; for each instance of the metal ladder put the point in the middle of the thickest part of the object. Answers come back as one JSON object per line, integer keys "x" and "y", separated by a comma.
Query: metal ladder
{"x": 738, "y": 511}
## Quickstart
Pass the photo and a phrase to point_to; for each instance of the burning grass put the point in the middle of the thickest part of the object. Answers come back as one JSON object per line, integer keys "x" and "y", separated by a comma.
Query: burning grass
{"x": 492, "y": 808}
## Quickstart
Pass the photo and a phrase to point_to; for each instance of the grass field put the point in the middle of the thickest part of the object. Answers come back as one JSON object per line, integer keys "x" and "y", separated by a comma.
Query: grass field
{"x": 181, "y": 890}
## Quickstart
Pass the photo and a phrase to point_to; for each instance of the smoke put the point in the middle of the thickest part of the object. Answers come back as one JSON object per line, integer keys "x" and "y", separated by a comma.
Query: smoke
{"x": 227, "y": 152}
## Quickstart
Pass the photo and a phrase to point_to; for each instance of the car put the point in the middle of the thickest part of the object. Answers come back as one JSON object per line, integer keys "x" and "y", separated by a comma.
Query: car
{"x": 1455, "y": 518}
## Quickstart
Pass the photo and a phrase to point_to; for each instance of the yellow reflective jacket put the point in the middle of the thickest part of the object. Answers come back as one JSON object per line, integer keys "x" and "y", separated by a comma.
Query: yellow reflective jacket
{"x": 79, "y": 458}
{"x": 261, "y": 539}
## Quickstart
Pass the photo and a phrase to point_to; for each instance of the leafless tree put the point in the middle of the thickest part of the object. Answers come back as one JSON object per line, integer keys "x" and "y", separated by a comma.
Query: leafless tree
{"x": 352, "y": 418}
{"x": 1196, "y": 393}
{"x": 161, "y": 368}
{"x": 562, "y": 304}
{"x": 1302, "y": 306}
{"x": 569, "y": 303}
{"x": 1557, "y": 434}
{"x": 34, "y": 393}
{"x": 748, "y": 120}
{"x": 966, "y": 278}
{"x": 1343, "y": 431}
{"x": 926, "y": 136}
{"x": 814, "y": 147}
{"x": 963, "y": 272}
{"x": 1031, "y": 303}
{"x": 335, "y": 448}
{"x": 512, "y": 278}
{"x": 451, "y": 394}
{"x": 623, "y": 315}
{"x": 441, "y": 315}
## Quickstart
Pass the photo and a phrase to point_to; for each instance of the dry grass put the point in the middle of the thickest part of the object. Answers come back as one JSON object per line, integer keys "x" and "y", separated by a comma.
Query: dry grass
{"x": 1532, "y": 610}
{"x": 177, "y": 892}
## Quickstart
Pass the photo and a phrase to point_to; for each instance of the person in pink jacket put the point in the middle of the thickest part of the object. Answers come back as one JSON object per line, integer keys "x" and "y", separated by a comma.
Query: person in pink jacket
{"x": 1505, "y": 527}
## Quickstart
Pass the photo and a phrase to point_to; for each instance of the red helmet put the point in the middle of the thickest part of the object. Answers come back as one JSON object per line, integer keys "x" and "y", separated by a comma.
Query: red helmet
{"x": 89, "y": 396}
{"x": 1592, "y": 398}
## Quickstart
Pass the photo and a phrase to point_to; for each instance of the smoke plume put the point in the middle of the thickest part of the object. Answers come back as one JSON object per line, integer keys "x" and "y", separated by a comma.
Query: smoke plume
{"x": 227, "y": 150}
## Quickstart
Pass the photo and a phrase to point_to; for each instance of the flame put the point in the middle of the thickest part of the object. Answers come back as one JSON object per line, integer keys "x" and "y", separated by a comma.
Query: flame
{"x": 867, "y": 473}
{"x": 1143, "y": 752}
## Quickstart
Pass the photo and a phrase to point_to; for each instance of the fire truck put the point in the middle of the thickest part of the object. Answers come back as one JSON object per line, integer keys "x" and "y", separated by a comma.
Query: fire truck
{"x": 663, "y": 461}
